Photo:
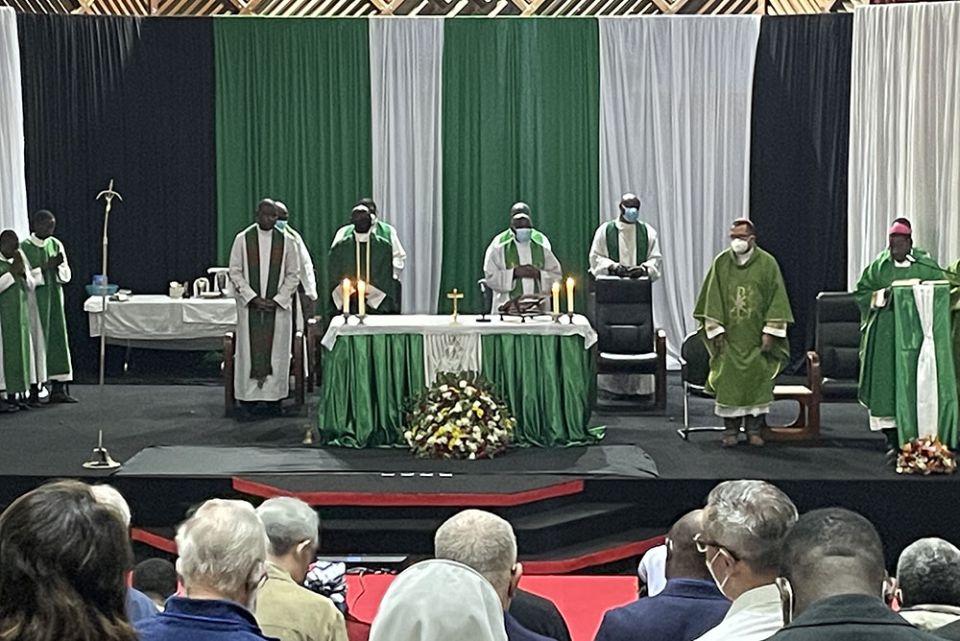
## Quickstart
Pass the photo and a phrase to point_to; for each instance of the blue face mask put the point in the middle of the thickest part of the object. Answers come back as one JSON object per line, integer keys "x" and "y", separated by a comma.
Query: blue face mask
{"x": 281, "y": 224}
{"x": 631, "y": 214}
{"x": 524, "y": 234}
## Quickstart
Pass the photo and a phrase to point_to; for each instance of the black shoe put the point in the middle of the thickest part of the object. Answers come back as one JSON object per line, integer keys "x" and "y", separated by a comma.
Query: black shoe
{"x": 8, "y": 408}
{"x": 61, "y": 396}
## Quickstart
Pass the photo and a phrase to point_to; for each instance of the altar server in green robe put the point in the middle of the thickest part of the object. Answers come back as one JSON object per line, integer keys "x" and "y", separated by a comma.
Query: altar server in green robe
{"x": 626, "y": 247}
{"x": 363, "y": 255}
{"x": 15, "y": 344}
{"x": 743, "y": 312}
{"x": 520, "y": 261}
{"x": 265, "y": 272}
{"x": 47, "y": 261}
{"x": 384, "y": 230}
{"x": 899, "y": 261}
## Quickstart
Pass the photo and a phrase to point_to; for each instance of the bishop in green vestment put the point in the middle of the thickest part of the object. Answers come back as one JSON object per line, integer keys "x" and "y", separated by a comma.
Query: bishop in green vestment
{"x": 743, "y": 312}
{"x": 47, "y": 261}
{"x": 877, "y": 388}
{"x": 15, "y": 346}
{"x": 362, "y": 255}
{"x": 520, "y": 261}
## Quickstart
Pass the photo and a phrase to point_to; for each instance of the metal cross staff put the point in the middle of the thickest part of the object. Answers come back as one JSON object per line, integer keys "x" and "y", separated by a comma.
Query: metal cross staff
{"x": 109, "y": 194}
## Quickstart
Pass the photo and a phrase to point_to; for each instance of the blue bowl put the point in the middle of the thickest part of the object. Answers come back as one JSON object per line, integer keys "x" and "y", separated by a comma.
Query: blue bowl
{"x": 100, "y": 290}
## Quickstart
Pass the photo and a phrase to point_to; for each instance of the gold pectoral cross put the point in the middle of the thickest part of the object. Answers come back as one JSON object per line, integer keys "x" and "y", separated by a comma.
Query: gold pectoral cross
{"x": 455, "y": 296}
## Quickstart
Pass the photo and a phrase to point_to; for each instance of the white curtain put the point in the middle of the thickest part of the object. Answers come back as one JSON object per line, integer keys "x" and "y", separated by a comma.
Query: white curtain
{"x": 13, "y": 183}
{"x": 904, "y": 129}
{"x": 675, "y": 95}
{"x": 406, "y": 55}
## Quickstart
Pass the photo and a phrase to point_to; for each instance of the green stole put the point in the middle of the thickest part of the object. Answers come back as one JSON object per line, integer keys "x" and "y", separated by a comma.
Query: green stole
{"x": 511, "y": 255}
{"x": 15, "y": 334}
{"x": 380, "y": 229}
{"x": 50, "y": 307}
{"x": 262, "y": 322}
{"x": 613, "y": 242}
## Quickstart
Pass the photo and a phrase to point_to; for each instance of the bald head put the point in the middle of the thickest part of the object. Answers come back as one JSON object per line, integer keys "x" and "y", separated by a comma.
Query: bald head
{"x": 683, "y": 559}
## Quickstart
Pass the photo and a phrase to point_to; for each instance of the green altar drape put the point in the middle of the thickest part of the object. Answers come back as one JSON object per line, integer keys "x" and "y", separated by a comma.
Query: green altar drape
{"x": 547, "y": 381}
{"x": 520, "y": 122}
{"x": 293, "y": 123}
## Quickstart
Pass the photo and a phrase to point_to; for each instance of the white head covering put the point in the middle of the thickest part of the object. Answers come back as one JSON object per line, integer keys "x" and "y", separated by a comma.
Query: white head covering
{"x": 439, "y": 600}
{"x": 653, "y": 569}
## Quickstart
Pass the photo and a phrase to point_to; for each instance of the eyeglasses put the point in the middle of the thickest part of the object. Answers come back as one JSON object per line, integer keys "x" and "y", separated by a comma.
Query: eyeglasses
{"x": 703, "y": 543}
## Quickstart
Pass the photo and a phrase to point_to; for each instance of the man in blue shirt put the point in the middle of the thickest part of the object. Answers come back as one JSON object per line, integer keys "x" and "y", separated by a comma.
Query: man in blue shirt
{"x": 223, "y": 551}
{"x": 687, "y": 607}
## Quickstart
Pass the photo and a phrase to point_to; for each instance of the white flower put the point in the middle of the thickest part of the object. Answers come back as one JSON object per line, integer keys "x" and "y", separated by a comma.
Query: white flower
{"x": 463, "y": 384}
{"x": 443, "y": 388}
{"x": 472, "y": 456}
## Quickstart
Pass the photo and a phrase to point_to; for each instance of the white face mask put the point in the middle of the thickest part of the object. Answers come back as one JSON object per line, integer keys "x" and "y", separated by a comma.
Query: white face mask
{"x": 739, "y": 245}
{"x": 713, "y": 574}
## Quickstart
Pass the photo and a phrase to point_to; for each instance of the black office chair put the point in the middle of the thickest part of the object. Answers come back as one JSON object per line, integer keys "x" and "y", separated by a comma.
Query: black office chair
{"x": 627, "y": 343}
{"x": 838, "y": 345}
{"x": 694, "y": 370}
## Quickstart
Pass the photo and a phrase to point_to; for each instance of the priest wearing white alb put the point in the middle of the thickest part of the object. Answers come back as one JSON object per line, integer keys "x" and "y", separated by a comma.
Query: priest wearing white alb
{"x": 265, "y": 271}
{"x": 626, "y": 247}
{"x": 519, "y": 260}
{"x": 307, "y": 287}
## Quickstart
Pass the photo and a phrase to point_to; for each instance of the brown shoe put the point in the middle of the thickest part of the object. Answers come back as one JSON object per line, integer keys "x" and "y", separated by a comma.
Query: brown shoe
{"x": 729, "y": 440}
{"x": 755, "y": 440}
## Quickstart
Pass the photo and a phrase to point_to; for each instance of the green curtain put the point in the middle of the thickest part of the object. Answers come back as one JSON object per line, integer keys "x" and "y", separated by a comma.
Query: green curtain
{"x": 552, "y": 410}
{"x": 520, "y": 122}
{"x": 293, "y": 123}
{"x": 367, "y": 383}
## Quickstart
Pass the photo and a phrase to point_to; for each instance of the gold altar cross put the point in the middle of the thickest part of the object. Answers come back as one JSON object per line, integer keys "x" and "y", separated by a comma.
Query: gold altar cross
{"x": 455, "y": 296}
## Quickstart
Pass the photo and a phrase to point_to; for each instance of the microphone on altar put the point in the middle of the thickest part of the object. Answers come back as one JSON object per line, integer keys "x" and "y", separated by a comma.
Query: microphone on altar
{"x": 486, "y": 294}
{"x": 913, "y": 259}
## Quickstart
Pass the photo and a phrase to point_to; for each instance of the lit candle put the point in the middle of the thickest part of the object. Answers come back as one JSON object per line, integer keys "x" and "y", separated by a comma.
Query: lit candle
{"x": 361, "y": 298}
{"x": 556, "y": 298}
{"x": 345, "y": 296}
{"x": 570, "y": 295}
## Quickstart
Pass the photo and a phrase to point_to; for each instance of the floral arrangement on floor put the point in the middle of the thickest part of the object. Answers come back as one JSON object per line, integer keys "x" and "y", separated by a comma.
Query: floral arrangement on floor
{"x": 461, "y": 417}
{"x": 926, "y": 455}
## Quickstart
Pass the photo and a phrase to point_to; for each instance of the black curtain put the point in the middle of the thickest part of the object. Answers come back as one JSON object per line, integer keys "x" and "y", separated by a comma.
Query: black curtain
{"x": 130, "y": 99}
{"x": 798, "y": 159}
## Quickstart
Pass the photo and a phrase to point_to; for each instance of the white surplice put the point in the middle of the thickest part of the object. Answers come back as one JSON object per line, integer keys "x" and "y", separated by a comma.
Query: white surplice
{"x": 500, "y": 279}
{"x": 277, "y": 385}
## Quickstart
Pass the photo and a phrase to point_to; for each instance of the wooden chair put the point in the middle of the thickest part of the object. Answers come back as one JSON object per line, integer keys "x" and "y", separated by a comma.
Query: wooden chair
{"x": 229, "y": 372}
{"x": 808, "y": 397}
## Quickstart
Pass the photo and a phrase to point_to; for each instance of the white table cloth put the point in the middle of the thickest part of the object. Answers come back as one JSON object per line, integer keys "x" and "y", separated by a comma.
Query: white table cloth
{"x": 164, "y": 322}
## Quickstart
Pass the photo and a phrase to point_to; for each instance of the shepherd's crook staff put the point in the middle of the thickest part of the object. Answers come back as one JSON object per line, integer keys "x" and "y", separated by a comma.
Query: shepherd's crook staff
{"x": 109, "y": 194}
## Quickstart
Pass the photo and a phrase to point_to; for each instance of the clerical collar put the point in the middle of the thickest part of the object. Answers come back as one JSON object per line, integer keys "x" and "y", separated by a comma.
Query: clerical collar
{"x": 744, "y": 257}
{"x": 264, "y": 231}
{"x": 362, "y": 237}
{"x": 36, "y": 241}
{"x": 901, "y": 263}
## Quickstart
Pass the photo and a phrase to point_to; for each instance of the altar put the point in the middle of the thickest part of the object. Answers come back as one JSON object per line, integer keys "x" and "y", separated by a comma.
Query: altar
{"x": 543, "y": 369}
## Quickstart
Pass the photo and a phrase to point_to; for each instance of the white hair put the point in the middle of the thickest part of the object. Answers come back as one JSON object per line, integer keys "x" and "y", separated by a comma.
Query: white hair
{"x": 289, "y": 522}
{"x": 111, "y": 497}
{"x": 750, "y": 519}
{"x": 222, "y": 547}
{"x": 928, "y": 572}
{"x": 482, "y": 541}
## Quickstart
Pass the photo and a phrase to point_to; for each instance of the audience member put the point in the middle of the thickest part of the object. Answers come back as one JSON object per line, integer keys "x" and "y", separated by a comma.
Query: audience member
{"x": 688, "y": 606}
{"x": 928, "y": 583}
{"x": 157, "y": 578}
{"x": 63, "y": 559}
{"x": 744, "y": 523}
{"x": 286, "y": 609}
{"x": 833, "y": 582}
{"x": 222, "y": 564}
{"x": 439, "y": 600}
{"x": 486, "y": 543}
{"x": 539, "y": 615}
{"x": 139, "y": 605}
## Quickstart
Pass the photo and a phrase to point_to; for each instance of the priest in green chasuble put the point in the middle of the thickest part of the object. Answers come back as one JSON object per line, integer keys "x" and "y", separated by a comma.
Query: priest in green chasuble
{"x": 384, "y": 230}
{"x": 16, "y": 350}
{"x": 47, "y": 261}
{"x": 878, "y": 375}
{"x": 520, "y": 261}
{"x": 265, "y": 272}
{"x": 626, "y": 247}
{"x": 743, "y": 312}
{"x": 363, "y": 255}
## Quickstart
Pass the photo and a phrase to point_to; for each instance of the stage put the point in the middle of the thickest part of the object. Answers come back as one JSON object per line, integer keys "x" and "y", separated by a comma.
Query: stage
{"x": 578, "y": 509}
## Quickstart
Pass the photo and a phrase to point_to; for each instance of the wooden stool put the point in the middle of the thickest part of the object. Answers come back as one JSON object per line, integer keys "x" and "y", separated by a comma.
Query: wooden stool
{"x": 808, "y": 397}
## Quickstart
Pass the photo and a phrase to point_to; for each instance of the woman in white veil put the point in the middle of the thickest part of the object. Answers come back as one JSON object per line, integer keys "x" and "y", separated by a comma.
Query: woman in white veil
{"x": 439, "y": 600}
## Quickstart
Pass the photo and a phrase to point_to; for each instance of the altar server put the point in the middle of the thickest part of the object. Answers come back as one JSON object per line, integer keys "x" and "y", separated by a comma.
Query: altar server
{"x": 384, "y": 230}
{"x": 265, "y": 271}
{"x": 520, "y": 260}
{"x": 16, "y": 351}
{"x": 47, "y": 261}
{"x": 743, "y": 312}
{"x": 626, "y": 247}
{"x": 878, "y": 383}
{"x": 364, "y": 255}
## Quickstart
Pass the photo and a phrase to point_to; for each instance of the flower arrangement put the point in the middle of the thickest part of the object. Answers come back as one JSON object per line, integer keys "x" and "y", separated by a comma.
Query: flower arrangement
{"x": 926, "y": 455}
{"x": 460, "y": 416}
